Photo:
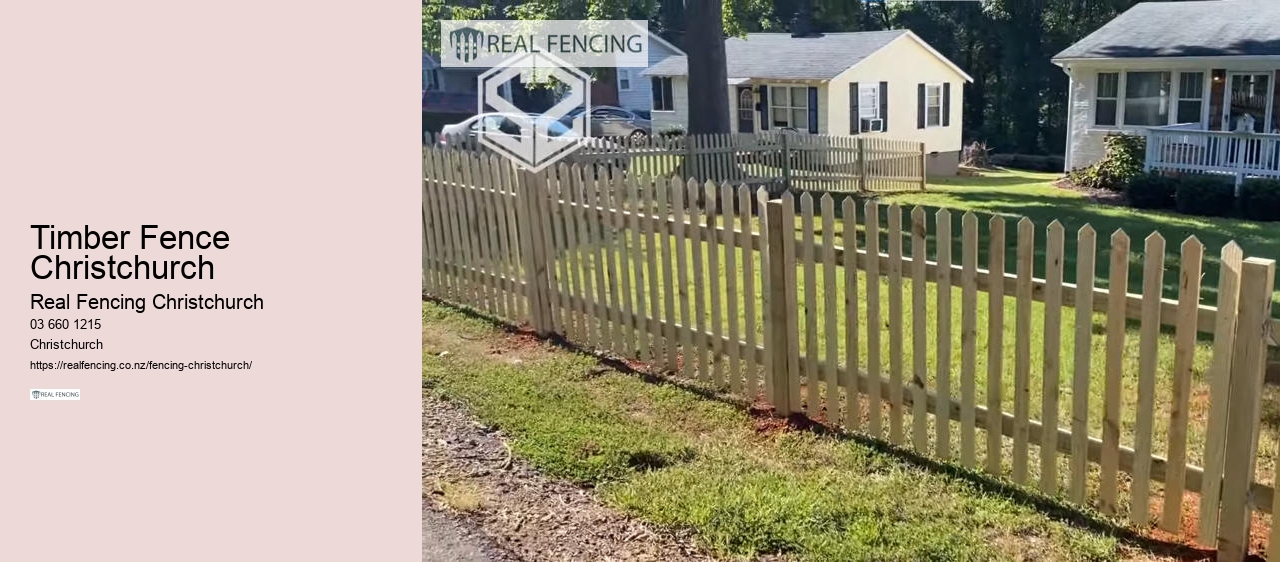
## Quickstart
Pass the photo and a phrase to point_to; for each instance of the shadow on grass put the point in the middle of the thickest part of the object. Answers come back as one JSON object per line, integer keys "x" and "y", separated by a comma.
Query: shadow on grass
{"x": 983, "y": 482}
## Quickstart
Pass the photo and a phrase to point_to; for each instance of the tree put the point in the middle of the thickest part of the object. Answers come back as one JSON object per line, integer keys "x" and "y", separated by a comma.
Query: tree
{"x": 708, "y": 74}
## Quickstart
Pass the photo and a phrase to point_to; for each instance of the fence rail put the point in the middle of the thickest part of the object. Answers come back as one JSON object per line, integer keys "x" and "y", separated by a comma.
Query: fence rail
{"x": 853, "y": 313}
{"x": 778, "y": 161}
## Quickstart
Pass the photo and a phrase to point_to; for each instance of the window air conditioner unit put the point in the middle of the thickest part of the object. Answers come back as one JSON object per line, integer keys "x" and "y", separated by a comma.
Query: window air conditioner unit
{"x": 873, "y": 125}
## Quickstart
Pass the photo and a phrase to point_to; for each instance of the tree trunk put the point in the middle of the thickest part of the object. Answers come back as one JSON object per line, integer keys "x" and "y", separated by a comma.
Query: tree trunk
{"x": 708, "y": 90}
{"x": 708, "y": 77}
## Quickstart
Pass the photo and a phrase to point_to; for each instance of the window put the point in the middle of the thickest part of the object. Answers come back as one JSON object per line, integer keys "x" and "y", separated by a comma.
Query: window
{"x": 662, "y": 100}
{"x": 1190, "y": 96}
{"x": 868, "y": 101}
{"x": 1106, "y": 98}
{"x": 933, "y": 105}
{"x": 624, "y": 79}
{"x": 789, "y": 107}
{"x": 1146, "y": 98}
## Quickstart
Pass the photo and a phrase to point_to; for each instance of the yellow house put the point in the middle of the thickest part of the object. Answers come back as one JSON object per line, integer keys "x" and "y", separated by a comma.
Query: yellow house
{"x": 888, "y": 83}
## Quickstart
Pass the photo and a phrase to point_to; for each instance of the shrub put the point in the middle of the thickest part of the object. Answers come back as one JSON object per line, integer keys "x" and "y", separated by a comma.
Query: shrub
{"x": 1205, "y": 195}
{"x": 1033, "y": 162}
{"x": 672, "y": 132}
{"x": 1151, "y": 191}
{"x": 1260, "y": 199}
{"x": 1121, "y": 163}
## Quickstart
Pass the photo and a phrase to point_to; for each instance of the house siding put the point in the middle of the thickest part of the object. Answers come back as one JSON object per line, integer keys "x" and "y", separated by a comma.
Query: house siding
{"x": 1086, "y": 147}
{"x": 640, "y": 96}
{"x": 904, "y": 64}
{"x": 663, "y": 120}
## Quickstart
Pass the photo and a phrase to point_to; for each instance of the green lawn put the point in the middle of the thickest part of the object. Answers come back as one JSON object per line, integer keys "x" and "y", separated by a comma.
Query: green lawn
{"x": 1015, "y": 194}
{"x": 676, "y": 458}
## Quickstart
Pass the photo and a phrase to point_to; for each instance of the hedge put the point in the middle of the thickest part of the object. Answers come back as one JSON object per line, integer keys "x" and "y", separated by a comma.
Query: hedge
{"x": 1205, "y": 195}
{"x": 1260, "y": 199}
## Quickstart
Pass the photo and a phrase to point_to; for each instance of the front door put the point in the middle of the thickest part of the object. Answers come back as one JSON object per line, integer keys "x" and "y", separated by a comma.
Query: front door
{"x": 746, "y": 110}
{"x": 1248, "y": 107}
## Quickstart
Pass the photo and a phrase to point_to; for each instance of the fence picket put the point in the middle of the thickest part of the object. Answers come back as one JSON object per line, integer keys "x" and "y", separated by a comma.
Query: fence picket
{"x": 1184, "y": 355}
{"x": 968, "y": 339}
{"x": 667, "y": 193}
{"x": 1110, "y": 459}
{"x": 895, "y": 324}
{"x": 766, "y": 271}
{"x": 1053, "y": 257}
{"x": 942, "y": 378}
{"x": 1219, "y": 376}
{"x": 596, "y": 245}
{"x": 609, "y": 215}
{"x": 699, "y": 324}
{"x": 919, "y": 341}
{"x": 1152, "y": 285}
{"x": 574, "y": 211}
{"x": 810, "y": 306}
{"x": 830, "y": 295}
{"x": 849, "y": 210}
{"x": 633, "y": 269}
{"x": 995, "y": 340}
{"x": 730, "y": 244}
{"x": 792, "y": 323}
{"x": 1022, "y": 350}
{"x": 1086, "y": 242}
{"x": 748, "y": 290}
{"x": 625, "y": 334}
{"x": 678, "y": 191}
{"x": 713, "y": 284}
{"x": 875, "y": 402}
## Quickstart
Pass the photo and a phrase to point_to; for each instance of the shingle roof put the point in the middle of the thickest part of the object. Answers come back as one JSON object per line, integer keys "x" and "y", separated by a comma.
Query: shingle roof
{"x": 1185, "y": 29}
{"x": 781, "y": 56}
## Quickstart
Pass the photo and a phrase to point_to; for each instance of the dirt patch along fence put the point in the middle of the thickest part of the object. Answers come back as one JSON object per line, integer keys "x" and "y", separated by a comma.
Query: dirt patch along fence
{"x": 889, "y": 324}
{"x": 777, "y": 161}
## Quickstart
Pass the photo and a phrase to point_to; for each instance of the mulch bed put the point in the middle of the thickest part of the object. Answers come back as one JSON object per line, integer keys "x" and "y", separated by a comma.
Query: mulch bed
{"x": 1104, "y": 196}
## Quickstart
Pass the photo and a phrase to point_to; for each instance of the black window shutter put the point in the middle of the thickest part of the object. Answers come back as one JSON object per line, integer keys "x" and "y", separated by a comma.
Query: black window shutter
{"x": 854, "y": 121}
{"x": 813, "y": 110}
{"x": 655, "y": 88}
{"x": 764, "y": 108}
{"x": 946, "y": 104}
{"x": 884, "y": 106}
{"x": 920, "y": 98}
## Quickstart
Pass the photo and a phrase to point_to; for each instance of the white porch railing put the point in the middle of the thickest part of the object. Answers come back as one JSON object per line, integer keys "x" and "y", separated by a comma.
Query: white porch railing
{"x": 1182, "y": 148}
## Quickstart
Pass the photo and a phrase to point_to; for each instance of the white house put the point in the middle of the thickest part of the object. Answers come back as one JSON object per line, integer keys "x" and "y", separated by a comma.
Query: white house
{"x": 888, "y": 83}
{"x": 1177, "y": 72}
{"x": 634, "y": 90}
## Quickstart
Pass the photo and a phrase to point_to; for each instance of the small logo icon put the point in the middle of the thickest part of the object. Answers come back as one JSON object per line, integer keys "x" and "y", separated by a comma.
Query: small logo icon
{"x": 35, "y": 395}
{"x": 465, "y": 43}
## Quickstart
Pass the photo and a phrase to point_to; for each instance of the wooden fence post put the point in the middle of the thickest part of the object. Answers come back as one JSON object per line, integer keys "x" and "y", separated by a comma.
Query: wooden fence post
{"x": 786, "y": 162}
{"x": 1248, "y": 359}
{"x": 923, "y": 165}
{"x": 862, "y": 165}
{"x": 780, "y": 225}
{"x": 533, "y": 211}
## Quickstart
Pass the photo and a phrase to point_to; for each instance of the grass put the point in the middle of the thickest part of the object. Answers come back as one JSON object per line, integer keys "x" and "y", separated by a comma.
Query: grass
{"x": 671, "y": 456}
{"x": 1016, "y": 194}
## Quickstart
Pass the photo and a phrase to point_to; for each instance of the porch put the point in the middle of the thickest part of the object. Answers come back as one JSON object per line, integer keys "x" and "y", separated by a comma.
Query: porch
{"x": 1188, "y": 149}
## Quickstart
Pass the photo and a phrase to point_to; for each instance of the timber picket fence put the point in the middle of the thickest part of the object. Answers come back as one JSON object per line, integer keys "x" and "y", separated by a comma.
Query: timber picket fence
{"x": 778, "y": 161}
{"x": 855, "y": 322}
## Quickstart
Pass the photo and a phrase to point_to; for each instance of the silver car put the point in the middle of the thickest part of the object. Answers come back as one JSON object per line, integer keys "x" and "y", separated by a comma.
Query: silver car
{"x": 614, "y": 122}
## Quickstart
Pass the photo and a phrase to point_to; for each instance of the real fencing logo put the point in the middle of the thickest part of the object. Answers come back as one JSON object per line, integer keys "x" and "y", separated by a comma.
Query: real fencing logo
{"x": 465, "y": 43}
{"x": 45, "y": 394}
